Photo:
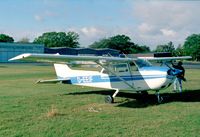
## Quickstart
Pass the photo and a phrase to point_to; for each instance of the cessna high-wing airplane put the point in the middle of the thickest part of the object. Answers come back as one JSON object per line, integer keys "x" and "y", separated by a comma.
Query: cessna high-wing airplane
{"x": 133, "y": 74}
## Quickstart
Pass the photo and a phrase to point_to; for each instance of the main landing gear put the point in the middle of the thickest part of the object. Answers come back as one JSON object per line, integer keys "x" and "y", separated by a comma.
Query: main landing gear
{"x": 110, "y": 99}
{"x": 159, "y": 98}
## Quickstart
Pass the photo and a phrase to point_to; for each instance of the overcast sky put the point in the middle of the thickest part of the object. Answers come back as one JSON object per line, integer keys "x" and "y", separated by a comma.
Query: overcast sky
{"x": 148, "y": 22}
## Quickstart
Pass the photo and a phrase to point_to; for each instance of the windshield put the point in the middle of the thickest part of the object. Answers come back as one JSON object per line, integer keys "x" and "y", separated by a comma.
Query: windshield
{"x": 142, "y": 63}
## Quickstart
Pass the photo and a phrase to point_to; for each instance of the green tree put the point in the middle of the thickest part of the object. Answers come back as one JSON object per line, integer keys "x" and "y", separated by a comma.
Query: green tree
{"x": 192, "y": 46}
{"x": 72, "y": 39}
{"x": 103, "y": 43}
{"x": 145, "y": 48}
{"x": 166, "y": 48}
{"x": 179, "y": 51}
{"x": 6, "y": 38}
{"x": 119, "y": 42}
{"x": 58, "y": 39}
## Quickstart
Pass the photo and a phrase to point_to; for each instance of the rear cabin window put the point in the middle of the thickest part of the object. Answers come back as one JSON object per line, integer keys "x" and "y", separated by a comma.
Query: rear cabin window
{"x": 117, "y": 68}
{"x": 120, "y": 68}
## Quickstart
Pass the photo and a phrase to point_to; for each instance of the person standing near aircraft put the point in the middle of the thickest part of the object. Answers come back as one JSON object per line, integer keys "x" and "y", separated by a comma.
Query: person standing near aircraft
{"x": 179, "y": 77}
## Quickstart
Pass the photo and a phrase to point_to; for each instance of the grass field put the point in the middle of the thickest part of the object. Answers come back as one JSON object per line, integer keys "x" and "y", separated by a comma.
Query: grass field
{"x": 40, "y": 110}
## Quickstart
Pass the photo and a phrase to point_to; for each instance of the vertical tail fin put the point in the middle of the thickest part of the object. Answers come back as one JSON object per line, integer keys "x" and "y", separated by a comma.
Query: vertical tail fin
{"x": 62, "y": 70}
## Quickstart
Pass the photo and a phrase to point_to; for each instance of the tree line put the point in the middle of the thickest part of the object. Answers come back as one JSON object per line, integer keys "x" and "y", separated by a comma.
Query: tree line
{"x": 123, "y": 43}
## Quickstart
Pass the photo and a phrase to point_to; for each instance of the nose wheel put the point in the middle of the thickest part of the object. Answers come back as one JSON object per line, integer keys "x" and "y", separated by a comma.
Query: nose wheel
{"x": 110, "y": 99}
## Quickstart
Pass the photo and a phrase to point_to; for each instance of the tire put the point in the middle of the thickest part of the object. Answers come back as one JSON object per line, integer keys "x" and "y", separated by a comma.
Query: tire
{"x": 109, "y": 99}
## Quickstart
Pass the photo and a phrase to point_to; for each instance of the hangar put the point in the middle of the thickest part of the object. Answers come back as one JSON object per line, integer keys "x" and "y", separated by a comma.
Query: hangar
{"x": 81, "y": 51}
{"x": 9, "y": 50}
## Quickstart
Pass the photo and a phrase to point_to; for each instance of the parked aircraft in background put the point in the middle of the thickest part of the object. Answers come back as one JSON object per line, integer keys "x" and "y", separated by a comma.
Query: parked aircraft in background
{"x": 133, "y": 74}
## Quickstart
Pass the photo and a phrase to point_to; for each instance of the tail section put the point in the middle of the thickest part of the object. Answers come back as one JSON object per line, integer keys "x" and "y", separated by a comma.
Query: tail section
{"x": 62, "y": 70}
{"x": 80, "y": 77}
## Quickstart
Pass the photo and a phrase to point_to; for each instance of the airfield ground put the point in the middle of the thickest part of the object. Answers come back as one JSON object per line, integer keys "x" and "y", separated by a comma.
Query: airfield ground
{"x": 40, "y": 110}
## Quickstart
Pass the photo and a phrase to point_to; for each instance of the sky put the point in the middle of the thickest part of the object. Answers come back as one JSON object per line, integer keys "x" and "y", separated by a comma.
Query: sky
{"x": 146, "y": 22}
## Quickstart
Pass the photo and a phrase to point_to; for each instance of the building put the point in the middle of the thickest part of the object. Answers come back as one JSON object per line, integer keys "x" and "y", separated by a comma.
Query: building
{"x": 9, "y": 50}
{"x": 61, "y": 51}
{"x": 81, "y": 51}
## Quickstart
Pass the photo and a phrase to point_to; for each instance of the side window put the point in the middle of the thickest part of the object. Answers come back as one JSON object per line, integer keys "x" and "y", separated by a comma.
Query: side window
{"x": 117, "y": 68}
{"x": 120, "y": 68}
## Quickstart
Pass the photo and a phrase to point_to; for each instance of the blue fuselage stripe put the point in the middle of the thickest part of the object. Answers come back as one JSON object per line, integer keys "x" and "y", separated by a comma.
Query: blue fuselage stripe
{"x": 99, "y": 78}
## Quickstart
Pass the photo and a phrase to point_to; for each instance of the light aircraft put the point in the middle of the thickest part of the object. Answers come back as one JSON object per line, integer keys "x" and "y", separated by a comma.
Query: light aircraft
{"x": 132, "y": 74}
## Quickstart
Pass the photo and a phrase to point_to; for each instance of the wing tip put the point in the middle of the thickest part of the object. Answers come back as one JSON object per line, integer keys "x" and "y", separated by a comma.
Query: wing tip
{"x": 21, "y": 56}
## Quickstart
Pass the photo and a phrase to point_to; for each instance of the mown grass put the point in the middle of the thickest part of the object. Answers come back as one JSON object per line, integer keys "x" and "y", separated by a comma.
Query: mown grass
{"x": 40, "y": 110}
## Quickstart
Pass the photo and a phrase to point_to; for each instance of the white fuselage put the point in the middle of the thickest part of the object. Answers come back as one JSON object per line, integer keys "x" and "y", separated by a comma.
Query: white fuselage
{"x": 145, "y": 78}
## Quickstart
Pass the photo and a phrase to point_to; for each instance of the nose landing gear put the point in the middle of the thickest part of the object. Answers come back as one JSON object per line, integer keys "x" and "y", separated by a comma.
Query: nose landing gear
{"x": 110, "y": 99}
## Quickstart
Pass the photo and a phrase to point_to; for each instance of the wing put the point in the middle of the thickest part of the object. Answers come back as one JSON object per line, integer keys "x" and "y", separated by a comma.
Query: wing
{"x": 165, "y": 58}
{"x": 52, "y": 58}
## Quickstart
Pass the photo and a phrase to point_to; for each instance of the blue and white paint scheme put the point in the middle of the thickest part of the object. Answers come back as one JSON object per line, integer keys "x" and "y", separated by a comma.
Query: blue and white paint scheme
{"x": 145, "y": 79}
{"x": 133, "y": 74}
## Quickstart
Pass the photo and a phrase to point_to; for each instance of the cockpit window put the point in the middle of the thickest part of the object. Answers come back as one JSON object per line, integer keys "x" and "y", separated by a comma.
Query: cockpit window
{"x": 142, "y": 63}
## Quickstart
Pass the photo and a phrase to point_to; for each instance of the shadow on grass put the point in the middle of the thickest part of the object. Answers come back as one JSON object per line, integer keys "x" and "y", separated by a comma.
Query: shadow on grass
{"x": 151, "y": 99}
{"x": 135, "y": 100}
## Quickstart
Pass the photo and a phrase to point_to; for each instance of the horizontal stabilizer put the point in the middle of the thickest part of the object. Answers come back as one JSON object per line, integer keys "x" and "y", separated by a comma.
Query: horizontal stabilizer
{"x": 53, "y": 81}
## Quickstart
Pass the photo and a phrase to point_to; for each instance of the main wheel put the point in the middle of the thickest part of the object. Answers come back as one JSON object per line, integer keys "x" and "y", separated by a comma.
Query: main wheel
{"x": 109, "y": 99}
